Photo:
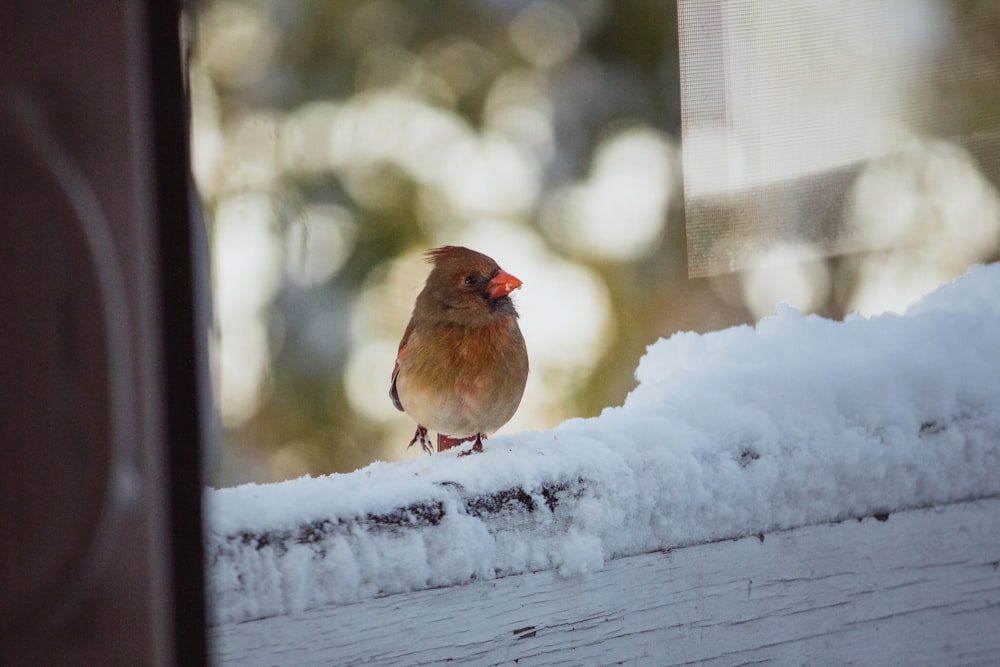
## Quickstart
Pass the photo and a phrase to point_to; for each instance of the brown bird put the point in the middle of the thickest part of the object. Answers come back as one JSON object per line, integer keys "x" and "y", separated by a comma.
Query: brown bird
{"x": 462, "y": 362}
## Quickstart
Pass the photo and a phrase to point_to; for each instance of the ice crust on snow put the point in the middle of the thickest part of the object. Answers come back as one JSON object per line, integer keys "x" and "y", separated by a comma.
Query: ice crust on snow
{"x": 796, "y": 421}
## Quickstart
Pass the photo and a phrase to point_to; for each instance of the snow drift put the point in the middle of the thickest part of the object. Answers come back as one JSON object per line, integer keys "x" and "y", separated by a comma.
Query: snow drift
{"x": 797, "y": 421}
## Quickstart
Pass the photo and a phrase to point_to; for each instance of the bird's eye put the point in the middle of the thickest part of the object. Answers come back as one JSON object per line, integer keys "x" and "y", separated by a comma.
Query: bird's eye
{"x": 471, "y": 280}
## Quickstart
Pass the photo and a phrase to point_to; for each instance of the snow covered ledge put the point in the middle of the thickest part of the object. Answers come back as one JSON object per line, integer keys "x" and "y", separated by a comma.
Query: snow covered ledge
{"x": 796, "y": 422}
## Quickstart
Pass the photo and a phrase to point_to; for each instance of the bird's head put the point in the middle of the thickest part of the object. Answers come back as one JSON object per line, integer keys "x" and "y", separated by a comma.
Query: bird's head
{"x": 468, "y": 284}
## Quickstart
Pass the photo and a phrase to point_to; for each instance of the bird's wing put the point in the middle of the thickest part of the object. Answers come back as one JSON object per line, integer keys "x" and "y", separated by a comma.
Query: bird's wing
{"x": 393, "y": 394}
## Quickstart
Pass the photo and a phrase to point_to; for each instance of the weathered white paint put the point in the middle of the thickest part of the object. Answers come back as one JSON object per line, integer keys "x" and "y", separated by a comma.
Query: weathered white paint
{"x": 920, "y": 588}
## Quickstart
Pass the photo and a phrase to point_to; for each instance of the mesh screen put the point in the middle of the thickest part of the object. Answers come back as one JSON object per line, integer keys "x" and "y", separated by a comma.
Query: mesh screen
{"x": 788, "y": 106}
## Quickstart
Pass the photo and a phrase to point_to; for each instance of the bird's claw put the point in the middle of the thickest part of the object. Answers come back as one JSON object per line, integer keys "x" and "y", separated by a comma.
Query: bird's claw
{"x": 421, "y": 436}
{"x": 477, "y": 447}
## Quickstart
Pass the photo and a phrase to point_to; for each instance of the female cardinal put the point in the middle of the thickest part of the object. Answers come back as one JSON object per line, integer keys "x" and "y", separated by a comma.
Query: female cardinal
{"x": 462, "y": 363}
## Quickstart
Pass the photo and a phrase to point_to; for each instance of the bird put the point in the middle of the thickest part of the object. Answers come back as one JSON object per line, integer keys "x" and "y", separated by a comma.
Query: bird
{"x": 462, "y": 363}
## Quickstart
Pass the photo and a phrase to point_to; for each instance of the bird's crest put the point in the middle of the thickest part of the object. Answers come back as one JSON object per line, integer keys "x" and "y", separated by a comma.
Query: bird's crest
{"x": 437, "y": 255}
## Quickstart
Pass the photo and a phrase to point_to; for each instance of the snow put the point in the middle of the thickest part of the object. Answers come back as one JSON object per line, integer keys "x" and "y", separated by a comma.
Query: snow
{"x": 797, "y": 421}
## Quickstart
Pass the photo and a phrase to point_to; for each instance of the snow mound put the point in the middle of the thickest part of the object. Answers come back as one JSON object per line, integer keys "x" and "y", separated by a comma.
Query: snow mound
{"x": 797, "y": 421}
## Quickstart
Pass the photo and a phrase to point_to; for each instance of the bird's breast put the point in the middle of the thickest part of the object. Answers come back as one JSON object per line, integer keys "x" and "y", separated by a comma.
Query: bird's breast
{"x": 463, "y": 381}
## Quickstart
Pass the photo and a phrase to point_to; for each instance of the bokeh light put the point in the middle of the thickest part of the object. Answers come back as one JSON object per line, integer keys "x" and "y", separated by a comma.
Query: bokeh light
{"x": 248, "y": 264}
{"x": 783, "y": 278}
{"x": 929, "y": 213}
{"x": 619, "y": 211}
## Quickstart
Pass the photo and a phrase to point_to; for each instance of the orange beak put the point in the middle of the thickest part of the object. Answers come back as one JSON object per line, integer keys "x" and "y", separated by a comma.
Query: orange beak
{"x": 502, "y": 284}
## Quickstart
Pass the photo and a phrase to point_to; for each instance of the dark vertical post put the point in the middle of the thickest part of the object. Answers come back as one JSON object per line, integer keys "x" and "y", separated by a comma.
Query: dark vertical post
{"x": 184, "y": 324}
{"x": 104, "y": 391}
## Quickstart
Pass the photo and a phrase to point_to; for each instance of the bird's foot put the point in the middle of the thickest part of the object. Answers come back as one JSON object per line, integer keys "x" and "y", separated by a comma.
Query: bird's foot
{"x": 421, "y": 436}
{"x": 477, "y": 447}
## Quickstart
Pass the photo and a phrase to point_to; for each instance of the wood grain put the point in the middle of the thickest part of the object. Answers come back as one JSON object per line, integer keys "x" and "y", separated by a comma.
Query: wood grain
{"x": 917, "y": 587}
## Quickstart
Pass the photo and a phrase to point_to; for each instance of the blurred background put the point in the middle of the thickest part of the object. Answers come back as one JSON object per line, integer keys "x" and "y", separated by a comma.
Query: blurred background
{"x": 840, "y": 158}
